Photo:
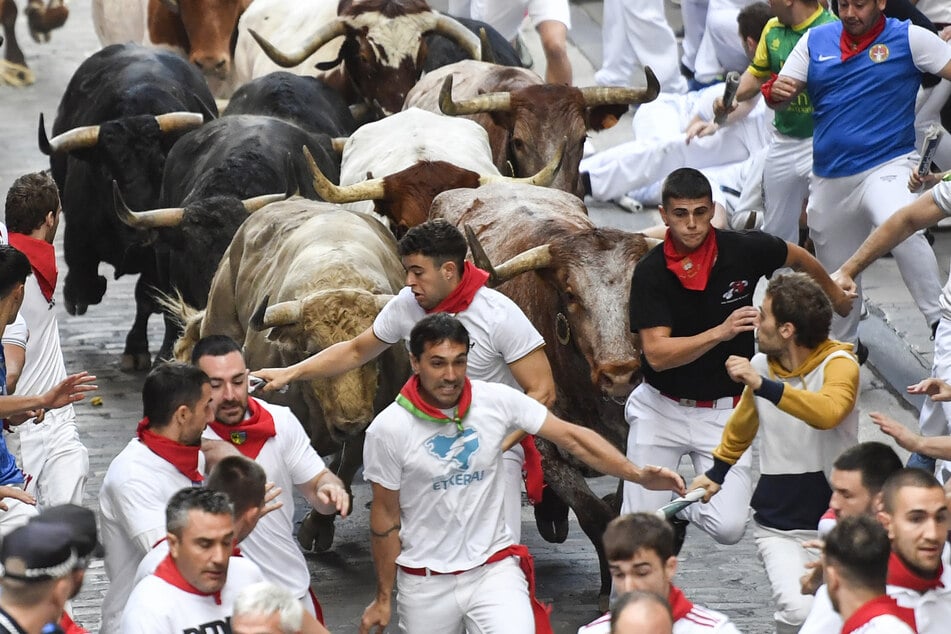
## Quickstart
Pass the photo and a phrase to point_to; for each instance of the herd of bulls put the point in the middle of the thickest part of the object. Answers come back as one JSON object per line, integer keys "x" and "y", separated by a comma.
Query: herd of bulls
{"x": 276, "y": 222}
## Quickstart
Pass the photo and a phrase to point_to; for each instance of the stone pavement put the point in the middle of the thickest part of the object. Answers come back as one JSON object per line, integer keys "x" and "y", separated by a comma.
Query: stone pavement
{"x": 725, "y": 578}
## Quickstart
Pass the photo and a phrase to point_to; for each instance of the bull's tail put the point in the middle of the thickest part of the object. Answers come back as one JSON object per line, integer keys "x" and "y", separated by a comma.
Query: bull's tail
{"x": 190, "y": 319}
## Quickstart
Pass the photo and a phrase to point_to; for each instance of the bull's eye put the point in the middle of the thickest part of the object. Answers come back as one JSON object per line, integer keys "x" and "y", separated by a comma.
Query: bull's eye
{"x": 518, "y": 145}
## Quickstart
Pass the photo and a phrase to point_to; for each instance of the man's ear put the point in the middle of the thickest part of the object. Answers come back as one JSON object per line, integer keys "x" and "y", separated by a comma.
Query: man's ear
{"x": 448, "y": 268}
{"x": 787, "y": 330}
{"x": 173, "y": 544}
{"x": 670, "y": 567}
{"x": 886, "y": 520}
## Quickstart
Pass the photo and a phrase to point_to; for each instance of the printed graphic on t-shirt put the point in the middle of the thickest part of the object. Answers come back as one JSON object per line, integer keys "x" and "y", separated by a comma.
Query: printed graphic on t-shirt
{"x": 736, "y": 291}
{"x": 457, "y": 451}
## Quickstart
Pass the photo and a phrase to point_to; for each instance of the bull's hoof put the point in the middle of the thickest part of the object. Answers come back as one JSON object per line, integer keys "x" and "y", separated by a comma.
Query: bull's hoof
{"x": 316, "y": 533}
{"x": 135, "y": 362}
{"x": 551, "y": 517}
{"x": 16, "y": 75}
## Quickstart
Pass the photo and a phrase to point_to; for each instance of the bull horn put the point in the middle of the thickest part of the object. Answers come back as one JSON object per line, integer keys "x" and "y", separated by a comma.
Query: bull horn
{"x": 454, "y": 30}
{"x": 75, "y": 139}
{"x": 652, "y": 242}
{"x": 253, "y": 204}
{"x": 282, "y": 314}
{"x": 488, "y": 55}
{"x": 373, "y": 189}
{"x": 338, "y": 143}
{"x": 605, "y": 95}
{"x": 329, "y": 31}
{"x": 145, "y": 219}
{"x": 535, "y": 258}
{"x": 176, "y": 121}
{"x": 543, "y": 178}
{"x": 490, "y": 102}
{"x": 382, "y": 300}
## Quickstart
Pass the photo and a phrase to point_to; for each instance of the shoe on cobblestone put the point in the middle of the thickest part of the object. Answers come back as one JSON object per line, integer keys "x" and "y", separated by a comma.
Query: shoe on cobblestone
{"x": 861, "y": 351}
{"x": 680, "y": 532}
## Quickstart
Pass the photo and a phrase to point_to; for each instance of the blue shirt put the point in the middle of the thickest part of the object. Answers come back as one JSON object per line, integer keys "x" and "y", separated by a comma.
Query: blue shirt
{"x": 9, "y": 471}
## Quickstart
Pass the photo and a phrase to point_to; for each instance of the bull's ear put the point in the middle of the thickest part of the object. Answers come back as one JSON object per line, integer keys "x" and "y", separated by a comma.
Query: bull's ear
{"x": 604, "y": 117}
{"x": 171, "y": 5}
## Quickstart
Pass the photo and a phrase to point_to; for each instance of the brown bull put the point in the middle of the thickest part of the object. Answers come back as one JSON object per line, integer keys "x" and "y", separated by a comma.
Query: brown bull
{"x": 572, "y": 280}
{"x": 526, "y": 118}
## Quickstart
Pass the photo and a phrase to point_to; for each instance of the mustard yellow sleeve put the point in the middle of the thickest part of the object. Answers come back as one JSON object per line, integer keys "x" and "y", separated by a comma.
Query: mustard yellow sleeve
{"x": 739, "y": 431}
{"x": 829, "y": 406}
{"x": 760, "y": 67}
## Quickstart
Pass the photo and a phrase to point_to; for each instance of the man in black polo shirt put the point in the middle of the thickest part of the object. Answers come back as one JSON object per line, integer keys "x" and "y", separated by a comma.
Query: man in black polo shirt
{"x": 691, "y": 303}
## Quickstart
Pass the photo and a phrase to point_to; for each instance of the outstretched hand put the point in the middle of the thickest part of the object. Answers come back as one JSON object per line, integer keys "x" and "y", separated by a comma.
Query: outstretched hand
{"x": 703, "y": 482}
{"x": 937, "y": 389}
{"x": 661, "y": 479}
{"x": 70, "y": 390}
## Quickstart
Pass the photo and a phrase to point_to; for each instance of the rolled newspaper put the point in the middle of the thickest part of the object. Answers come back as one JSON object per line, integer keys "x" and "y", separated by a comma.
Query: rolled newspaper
{"x": 928, "y": 148}
{"x": 675, "y": 506}
{"x": 730, "y": 85}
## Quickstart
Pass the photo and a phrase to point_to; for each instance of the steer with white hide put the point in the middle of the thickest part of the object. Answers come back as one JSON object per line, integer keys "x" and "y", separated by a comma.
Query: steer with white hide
{"x": 572, "y": 279}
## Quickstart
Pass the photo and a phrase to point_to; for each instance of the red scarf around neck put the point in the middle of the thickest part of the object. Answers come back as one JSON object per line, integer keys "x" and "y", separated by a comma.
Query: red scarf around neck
{"x": 412, "y": 401}
{"x": 473, "y": 278}
{"x": 852, "y": 46}
{"x": 900, "y": 575}
{"x": 249, "y": 435}
{"x": 168, "y": 572}
{"x": 692, "y": 269}
{"x": 680, "y": 605}
{"x": 42, "y": 258}
{"x": 182, "y": 457}
{"x": 877, "y": 607}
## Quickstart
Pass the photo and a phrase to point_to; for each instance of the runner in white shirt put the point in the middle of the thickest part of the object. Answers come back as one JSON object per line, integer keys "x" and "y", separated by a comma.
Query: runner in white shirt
{"x": 640, "y": 552}
{"x": 273, "y": 437}
{"x": 163, "y": 458}
{"x": 506, "y": 347}
{"x": 434, "y": 460}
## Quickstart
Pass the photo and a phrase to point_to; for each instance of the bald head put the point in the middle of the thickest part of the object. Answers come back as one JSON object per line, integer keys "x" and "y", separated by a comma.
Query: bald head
{"x": 641, "y": 613}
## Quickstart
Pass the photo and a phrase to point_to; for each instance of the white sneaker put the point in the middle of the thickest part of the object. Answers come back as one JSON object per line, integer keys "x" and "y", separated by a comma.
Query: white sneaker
{"x": 629, "y": 204}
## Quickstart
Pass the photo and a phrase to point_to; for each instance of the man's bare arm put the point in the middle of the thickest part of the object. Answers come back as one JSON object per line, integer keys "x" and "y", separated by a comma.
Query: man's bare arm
{"x": 385, "y": 546}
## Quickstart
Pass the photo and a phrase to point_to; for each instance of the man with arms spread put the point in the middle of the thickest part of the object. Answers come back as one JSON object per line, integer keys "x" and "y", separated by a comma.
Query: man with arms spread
{"x": 434, "y": 460}
{"x": 691, "y": 304}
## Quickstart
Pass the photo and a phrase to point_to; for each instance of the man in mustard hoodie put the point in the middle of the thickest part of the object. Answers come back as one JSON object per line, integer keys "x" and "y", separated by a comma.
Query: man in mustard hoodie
{"x": 800, "y": 395}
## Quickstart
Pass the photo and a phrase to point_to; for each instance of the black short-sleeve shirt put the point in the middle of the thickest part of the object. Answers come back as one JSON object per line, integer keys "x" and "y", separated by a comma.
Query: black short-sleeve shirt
{"x": 659, "y": 299}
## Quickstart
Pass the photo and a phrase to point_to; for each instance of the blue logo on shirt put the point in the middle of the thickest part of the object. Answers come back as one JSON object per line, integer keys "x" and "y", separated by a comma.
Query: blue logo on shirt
{"x": 456, "y": 449}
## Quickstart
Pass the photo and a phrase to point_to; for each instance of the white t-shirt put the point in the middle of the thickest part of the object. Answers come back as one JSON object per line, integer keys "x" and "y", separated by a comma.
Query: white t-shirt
{"x": 884, "y": 624}
{"x": 699, "y": 620}
{"x": 450, "y": 482}
{"x": 288, "y": 459}
{"x": 158, "y": 607}
{"x": 938, "y": 11}
{"x": 941, "y": 194}
{"x": 498, "y": 329}
{"x": 16, "y": 334}
{"x": 132, "y": 501}
{"x": 155, "y": 556}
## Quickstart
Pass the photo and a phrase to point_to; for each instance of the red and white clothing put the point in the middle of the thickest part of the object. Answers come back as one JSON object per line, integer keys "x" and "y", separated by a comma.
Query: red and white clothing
{"x": 156, "y": 606}
{"x": 501, "y": 334}
{"x": 881, "y": 615}
{"x": 289, "y": 460}
{"x": 688, "y": 618}
{"x": 132, "y": 501}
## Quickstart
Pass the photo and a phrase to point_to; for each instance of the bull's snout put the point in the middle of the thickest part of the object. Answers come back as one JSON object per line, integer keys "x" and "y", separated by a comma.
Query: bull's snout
{"x": 215, "y": 65}
{"x": 345, "y": 431}
{"x": 616, "y": 379}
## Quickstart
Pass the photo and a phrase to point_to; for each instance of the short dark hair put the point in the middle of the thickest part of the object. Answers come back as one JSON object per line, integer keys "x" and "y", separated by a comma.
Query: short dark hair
{"x": 627, "y": 534}
{"x": 858, "y": 547}
{"x": 437, "y": 239}
{"x": 14, "y": 269}
{"x": 907, "y": 477}
{"x": 752, "y": 20}
{"x": 436, "y": 328}
{"x": 632, "y": 598}
{"x": 241, "y": 479}
{"x": 875, "y": 460}
{"x": 29, "y": 199}
{"x": 194, "y": 499}
{"x": 214, "y": 346}
{"x": 797, "y": 299}
{"x": 169, "y": 386}
{"x": 686, "y": 183}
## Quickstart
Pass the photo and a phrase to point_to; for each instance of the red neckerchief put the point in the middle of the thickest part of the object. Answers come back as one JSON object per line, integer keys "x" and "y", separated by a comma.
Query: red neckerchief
{"x": 532, "y": 470}
{"x": 168, "y": 572}
{"x": 236, "y": 552}
{"x": 900, "y": 575}
{"x": 878, "y": 607}
{"x": 411, "y": 400}
{"x": 541, "y": 611}
{"x": 182, "y": 457}
{"x": 249, "y": 435}
{"x": 680, "y": 605}
{"x": 69, "y": 626}
{"x": 852, "y": 46}
{"x": 42, "y": 258}
{"x": 473, "y": 278}
{"x": 692, "y": 269}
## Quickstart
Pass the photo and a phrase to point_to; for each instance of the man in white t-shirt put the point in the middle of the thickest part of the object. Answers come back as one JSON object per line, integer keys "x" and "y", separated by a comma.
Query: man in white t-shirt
{"x": 434, "y": 459}
{"x": 273, "y": 437}
{"x": 163, "y": 458}
{"x": 54, "y": 459}
{"x": 193, "y": 589}
{"x": 506, "y": 346}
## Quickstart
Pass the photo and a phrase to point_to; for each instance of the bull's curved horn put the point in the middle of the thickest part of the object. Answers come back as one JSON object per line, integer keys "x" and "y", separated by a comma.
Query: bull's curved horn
{"x": 488, "y": 54}
{"x": 282, "y": 314}
{"x": 323, "y": 35}
{"x": 75, "y": 139}
{"x": 604, "y": 95}
{"x": 145, "y": 219}
{"x": 254, "y": 204}
{"x": 535, "y": 258}
{"x": 454, "y": 30}
{"x": 543, "y": 178}
{"x": 41, "y": 139}
{"x": 373, "y": 189}
{"x": 176, "y": 121}
{"x": 490, "y": 102}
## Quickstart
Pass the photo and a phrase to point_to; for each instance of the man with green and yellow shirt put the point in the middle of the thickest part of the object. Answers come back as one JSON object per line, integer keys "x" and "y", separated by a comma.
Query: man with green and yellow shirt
{"x": 788, "y": 165}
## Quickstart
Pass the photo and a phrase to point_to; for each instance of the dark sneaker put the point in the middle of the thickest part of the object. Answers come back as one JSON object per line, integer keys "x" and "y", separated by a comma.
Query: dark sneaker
{"x": 680, "y": 532}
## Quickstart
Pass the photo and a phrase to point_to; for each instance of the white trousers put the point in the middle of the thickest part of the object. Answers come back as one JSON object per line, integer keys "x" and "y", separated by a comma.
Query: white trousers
{"x": 506, "y": 16}
{"x": 786, "y": 172}
{"x": 844, "y": 211}
{"x": 928, "y": 104}
{"x": 53, "y": 457}
{"x": 17, "y": 515}
{"x": 662, "y": 432}
{"x": 934, "y": 417}
{"x": 491, "y": 599}
{"x": 785, "y": 561}
{"x": 635, "y": 35}
{"x": 512, "y": 461}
